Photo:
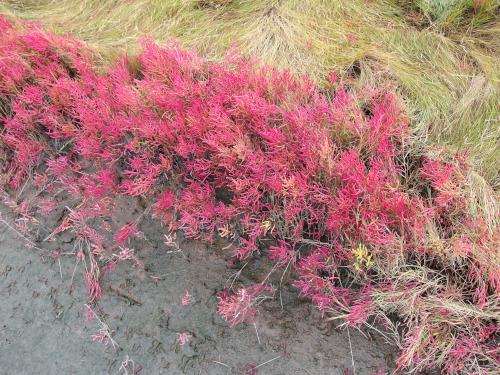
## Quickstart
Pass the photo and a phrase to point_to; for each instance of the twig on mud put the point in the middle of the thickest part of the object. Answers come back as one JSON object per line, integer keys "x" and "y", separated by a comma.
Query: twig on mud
{"x": 350, "y": 344}
{"x": 228, "y": 246}
{"x": 387, "y": 339}
{"x": 142, "y": 215}
{"x": 60, "y": 268}
{"x": 22, "y": 189}
{"x": 266, "y": 362}
{"x": 255, "y": 367}
{"x": 275, "y": 267}
{"x": 171, "y": 241}
{"x": 222, "y": 364}
{"x": 236, "y": 275}
{"x": 104, "y": 328}
{"x": 352, "y": 355}
{"x": 156, "y": 278}
{"x": 281, "y": 281}
{"x": 133, "y": 300}
{"x": 50, "y": 235}
{"x": 74, "y": 271}
{"x": 125, "y": 364}
{"x": 257, "y": 332}
{"x": 33, "y": 245}
{"x": 56, "y": 229}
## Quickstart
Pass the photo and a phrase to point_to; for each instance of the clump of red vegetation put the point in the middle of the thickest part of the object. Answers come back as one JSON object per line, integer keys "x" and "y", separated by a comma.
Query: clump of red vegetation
{"x": 370, "y": 228}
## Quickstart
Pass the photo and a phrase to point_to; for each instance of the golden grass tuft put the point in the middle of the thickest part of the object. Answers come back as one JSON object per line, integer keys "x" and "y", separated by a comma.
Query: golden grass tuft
{"x": 441, "y": 54}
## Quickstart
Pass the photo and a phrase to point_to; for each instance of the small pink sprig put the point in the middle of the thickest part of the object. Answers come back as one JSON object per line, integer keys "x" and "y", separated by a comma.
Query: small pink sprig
{"x": 187, "y": 299}
{"x": 183, "y": 338}
{"x": 240, "y": 307}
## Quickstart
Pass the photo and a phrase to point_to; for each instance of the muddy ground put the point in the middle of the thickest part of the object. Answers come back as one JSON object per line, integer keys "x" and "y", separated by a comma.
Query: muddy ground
{"x": 44, "y": 325}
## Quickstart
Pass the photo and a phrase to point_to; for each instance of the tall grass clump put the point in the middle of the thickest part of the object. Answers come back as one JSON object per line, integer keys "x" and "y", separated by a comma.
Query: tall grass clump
{"x": 451, "y": 14}
{"x": 324, "y": 183}
{"x": 442, "y": 55}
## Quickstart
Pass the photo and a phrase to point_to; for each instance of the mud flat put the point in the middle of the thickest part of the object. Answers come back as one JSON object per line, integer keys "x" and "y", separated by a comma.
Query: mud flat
{"x": 45, "y": 326}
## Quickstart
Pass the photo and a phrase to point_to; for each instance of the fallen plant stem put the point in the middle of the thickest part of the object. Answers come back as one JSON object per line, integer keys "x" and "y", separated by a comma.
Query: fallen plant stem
{"x": 133, "y": 300}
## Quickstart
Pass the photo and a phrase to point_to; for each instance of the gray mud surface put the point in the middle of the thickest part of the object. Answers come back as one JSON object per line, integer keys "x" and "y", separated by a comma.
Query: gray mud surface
{"x": 44, "y": 327}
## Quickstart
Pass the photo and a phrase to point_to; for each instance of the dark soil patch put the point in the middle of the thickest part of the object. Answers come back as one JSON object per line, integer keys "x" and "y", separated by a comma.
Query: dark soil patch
{"x": 44, "y": 328}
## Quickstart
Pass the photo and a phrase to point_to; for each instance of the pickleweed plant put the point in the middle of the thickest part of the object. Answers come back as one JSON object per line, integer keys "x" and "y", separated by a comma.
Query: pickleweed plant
{"x": 241, "y": 306}
{"x": 324, "y": 182}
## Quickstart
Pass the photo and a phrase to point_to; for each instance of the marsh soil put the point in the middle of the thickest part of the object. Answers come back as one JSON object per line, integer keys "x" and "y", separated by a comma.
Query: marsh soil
{"x": 44, "y": 325}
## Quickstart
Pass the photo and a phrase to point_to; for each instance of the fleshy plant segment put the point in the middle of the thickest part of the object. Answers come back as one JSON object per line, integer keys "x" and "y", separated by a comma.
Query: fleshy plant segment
{"x": 323, "y": 182}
